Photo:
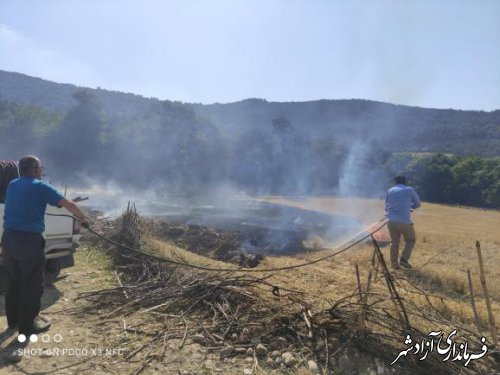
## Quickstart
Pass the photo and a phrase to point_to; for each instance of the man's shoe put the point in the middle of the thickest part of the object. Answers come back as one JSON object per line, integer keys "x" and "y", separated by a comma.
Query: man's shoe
{"x": 40, "y": 325}
{"x": 14, "y": 351}
{"x": 9, "y": 331}
{"x": 405, "y": 264}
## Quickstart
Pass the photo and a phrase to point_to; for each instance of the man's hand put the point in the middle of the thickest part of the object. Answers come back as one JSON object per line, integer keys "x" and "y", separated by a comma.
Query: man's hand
{"x": 76, "y": 211}
{"x": 85, "y": 223}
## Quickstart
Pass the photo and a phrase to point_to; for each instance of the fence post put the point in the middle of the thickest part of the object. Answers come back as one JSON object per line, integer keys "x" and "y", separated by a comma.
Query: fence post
{"x": 472, "y": 302}
{"x": 486, "y": 295}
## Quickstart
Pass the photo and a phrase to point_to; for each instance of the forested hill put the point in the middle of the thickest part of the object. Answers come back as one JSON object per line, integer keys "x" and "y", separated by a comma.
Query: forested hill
{"x": 399, "y": 128}
{"x": 25, "y": 90}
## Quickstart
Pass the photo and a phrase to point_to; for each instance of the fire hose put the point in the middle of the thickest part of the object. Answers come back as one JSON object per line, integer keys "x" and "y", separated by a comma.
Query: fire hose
{"x": 365, "y": 236}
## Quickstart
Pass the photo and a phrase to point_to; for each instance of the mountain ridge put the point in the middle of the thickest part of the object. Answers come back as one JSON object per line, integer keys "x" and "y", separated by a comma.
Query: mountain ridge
{"x": 75, "y": 87}
{"x": 400, "y": 127}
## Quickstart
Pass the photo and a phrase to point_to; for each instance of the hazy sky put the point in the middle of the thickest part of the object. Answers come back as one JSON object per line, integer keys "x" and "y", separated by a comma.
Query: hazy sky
{"x": 441, "y": 54}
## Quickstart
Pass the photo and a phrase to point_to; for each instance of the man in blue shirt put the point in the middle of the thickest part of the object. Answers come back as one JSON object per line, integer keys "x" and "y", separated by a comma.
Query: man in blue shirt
{"x": 400, "y": 200}
{"x": 23, "y": 244}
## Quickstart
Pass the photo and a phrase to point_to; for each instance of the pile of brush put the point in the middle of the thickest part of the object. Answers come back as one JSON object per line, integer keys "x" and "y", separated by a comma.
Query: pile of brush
{"x": 230, "y": 308}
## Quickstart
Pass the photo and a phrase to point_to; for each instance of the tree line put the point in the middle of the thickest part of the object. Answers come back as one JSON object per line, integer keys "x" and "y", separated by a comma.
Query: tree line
{"x": 169, "y": 148}
{"x": 450, "y": 179}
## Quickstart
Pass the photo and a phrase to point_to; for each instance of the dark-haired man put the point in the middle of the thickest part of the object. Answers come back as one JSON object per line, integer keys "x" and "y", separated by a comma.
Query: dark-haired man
{"x": 23, "y": 245}
{"x": 400, "y": 200}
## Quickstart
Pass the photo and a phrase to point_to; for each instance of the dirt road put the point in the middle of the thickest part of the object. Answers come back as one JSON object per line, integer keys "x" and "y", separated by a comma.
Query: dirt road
{"x": 62, "y": 349}
{"x": 88, "y": 344}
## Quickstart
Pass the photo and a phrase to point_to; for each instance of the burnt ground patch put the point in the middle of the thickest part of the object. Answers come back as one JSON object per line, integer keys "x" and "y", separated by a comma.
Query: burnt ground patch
{"x": 244, "y": 234}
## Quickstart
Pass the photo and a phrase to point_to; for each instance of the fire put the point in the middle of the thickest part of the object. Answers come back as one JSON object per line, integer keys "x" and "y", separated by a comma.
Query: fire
{"x": 381, "y": 236}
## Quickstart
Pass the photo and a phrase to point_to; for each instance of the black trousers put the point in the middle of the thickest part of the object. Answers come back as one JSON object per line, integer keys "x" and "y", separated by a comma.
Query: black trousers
{"x": 24, "y": 263}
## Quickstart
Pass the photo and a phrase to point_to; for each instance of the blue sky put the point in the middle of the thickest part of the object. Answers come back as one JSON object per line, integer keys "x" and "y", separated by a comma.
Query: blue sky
{"x": 439, "y": 54}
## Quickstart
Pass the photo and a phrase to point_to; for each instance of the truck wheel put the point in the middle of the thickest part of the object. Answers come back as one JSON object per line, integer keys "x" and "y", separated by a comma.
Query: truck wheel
{"x": 53, "y": 267}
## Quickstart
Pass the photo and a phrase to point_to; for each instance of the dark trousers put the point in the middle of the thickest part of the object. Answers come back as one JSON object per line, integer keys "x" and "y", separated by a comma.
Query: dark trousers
{"x": 24, "y": 263}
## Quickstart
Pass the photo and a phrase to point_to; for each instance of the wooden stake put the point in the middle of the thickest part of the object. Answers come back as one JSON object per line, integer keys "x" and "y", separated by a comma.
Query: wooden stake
{"x": 364, "y": 296}
{"x": 391, "y": 287}
{"x": 473, "y": 304}
{"x": 486, "y": 295}
{"x": 360, "y": 290}
{"x": 308, "y": 323}
{"x": 375, "y": 274}
{"x": 121, "y": 285}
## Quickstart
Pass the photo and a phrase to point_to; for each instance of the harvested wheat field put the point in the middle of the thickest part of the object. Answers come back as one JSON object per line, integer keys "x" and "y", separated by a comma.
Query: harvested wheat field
{"x": 446, "y": 242}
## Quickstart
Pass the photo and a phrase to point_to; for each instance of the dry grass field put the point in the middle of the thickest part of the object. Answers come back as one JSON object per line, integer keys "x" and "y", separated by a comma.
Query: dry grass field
{"x": 446, "y": 238}
{"x": 435, "y": 292}
{"x": 445, "y": 250}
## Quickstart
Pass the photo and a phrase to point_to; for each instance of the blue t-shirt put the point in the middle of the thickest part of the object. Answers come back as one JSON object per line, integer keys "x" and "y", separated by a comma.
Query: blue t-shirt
{"x": 399, "y": 200}
{"x": 25, "y": 204}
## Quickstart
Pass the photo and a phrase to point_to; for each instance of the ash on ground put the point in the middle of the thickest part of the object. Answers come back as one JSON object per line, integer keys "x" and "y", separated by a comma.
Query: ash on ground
{"x": 206, "y": 241}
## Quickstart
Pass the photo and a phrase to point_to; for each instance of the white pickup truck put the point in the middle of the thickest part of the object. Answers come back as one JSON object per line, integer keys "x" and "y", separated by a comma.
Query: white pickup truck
{"x": 62, "y": 235}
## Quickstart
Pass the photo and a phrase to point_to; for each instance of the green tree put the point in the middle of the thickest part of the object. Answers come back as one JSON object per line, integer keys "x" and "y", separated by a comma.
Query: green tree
{"x": 78, "y": 145}
{"x": 491, "y": 193}
{"x": 22, "y": 128}
{"x": 470, "y": 176}
{"x": 433, "y": 177}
